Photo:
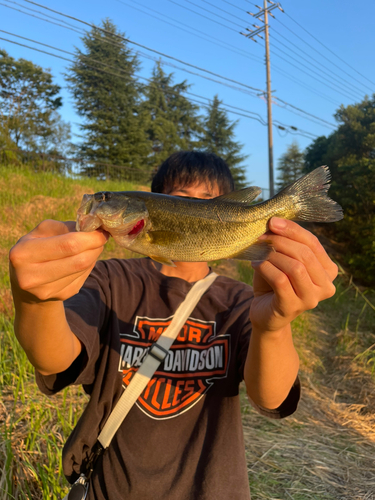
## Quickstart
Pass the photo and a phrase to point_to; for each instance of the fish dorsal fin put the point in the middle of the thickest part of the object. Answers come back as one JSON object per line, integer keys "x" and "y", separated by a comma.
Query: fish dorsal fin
{"x": 246, "y": 195}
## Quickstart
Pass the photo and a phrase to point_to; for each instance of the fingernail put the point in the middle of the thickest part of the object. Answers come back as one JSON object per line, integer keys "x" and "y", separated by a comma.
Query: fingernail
{"x": 278, "y": 223}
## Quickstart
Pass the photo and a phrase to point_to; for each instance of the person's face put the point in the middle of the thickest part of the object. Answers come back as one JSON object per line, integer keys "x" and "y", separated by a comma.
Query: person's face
{"x": 199, "y": 190}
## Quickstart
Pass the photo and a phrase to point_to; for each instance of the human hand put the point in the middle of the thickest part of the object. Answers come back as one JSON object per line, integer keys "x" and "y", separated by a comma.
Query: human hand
{"x": 295, "y": 278}
{"x": 53, "y": 261}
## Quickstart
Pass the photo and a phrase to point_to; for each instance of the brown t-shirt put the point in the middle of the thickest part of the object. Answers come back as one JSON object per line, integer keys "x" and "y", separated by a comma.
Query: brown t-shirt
{"x": 183, "y": 438}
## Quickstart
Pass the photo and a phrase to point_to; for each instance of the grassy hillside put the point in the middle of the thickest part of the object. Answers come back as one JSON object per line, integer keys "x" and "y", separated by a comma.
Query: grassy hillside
{"x": 324, "y": 451}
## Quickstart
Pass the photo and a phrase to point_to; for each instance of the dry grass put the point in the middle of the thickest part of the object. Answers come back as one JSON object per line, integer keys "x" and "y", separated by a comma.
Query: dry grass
{"x": 325, "y": 451}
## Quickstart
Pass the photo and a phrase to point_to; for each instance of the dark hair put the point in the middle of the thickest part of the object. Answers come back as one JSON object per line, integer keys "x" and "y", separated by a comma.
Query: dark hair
{"x": 191, "y": 167}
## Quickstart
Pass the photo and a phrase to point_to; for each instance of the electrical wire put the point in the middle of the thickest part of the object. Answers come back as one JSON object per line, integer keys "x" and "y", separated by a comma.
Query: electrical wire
{"x": 303, "y": 84}
{"x": 223, "y": 10}
{"x": 260, "y": 119}
{"x": 202, "y": 15}
{"x": 37, "y": 17}
{"x": 213, "y": 13}
{"x": 333, "y": 80}
{"x": 233, "y": 5}
{"x": 88, "y": 24}
{"x": 147, "y": 48}
{"x": 226, "y": 107}
{"x": 329, "y": 60}
{"x": 303, "y": 71}
{"x": 341, "y": 79}
{"x": 227, "y": 46}
{"x": 327, "y": 48}
{"x": 302, "y": 111}
{"x": 81, "y": 32}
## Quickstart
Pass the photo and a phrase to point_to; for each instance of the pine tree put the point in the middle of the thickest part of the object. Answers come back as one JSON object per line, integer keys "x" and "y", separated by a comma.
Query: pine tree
{"x": 290, "y": 166}
{"x": 172, "y": 120}
{"x": 107, "y": 96}
{"x": 218, "y": 138}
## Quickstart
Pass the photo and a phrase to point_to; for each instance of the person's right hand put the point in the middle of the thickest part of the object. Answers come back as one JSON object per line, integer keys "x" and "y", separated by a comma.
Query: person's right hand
{"x": 53, "y": 261}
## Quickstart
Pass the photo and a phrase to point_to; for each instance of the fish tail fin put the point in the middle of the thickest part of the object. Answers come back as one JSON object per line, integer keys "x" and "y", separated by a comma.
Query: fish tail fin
{"x": 310, "y": 199}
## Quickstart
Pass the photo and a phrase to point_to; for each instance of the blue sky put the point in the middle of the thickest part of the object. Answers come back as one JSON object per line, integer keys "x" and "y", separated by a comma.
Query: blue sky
{"x": 347, "y": 30}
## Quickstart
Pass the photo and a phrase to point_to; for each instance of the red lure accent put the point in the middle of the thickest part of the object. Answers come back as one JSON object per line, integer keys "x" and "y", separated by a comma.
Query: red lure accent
{"x": 138, "y": 227}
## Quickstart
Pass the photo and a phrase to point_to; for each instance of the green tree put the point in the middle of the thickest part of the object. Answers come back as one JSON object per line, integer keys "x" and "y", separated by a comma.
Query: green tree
{"x": 290, "y": 166}
{"x": 107, "y": 96}
{"x": 350, "y": 154}
{"x": 28, "y": 105}
{"x": 172, "y": 120}
{"x": 218, "y": 138}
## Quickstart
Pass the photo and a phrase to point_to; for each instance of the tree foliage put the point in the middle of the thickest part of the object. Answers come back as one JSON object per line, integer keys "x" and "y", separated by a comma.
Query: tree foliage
{"x": 29, "y": 101}
{"x": 290, "y": 166}
{"x": 350, "y": 154}
{"x": 172, "y": 121}
{"x": 218, "y": 138}
{"x": 107, "y": 96}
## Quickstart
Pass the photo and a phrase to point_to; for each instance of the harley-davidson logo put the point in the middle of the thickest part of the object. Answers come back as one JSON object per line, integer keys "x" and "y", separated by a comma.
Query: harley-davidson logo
{"x": 196, "y": 358}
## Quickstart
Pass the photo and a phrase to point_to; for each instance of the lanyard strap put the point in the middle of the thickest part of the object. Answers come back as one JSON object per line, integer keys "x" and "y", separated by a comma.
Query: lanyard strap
{"x": 154, "y": 358}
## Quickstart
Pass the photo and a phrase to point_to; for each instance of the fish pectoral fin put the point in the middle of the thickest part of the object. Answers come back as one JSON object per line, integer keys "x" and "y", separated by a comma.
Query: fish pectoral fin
{"x": 164, "y": 238}
{"x": 163, "y": 260}
{"x": 246, "y": 195}
{"x": 257, "y": 251}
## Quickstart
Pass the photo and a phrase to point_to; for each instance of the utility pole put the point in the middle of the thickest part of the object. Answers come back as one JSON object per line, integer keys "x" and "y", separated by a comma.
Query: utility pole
{"x": 257, "y": 32}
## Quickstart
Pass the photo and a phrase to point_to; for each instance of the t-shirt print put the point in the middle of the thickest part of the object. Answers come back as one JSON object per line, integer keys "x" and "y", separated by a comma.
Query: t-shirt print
{"x": 195, "y": 360}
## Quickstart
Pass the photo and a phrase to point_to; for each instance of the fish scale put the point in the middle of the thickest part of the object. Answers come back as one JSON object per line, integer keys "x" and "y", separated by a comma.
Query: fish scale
{"x": 172, "y": 228}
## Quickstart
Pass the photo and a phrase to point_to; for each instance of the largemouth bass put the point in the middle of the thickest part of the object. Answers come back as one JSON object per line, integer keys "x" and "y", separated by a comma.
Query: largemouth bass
{"x": 172, "y": 228}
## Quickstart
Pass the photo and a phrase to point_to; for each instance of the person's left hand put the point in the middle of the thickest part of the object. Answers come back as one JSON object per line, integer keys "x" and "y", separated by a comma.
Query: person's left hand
{"x": 295, "y": 278}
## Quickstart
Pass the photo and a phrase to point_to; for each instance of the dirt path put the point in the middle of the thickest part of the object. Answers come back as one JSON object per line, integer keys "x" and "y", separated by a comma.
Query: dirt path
{"x": 326, "y": 450}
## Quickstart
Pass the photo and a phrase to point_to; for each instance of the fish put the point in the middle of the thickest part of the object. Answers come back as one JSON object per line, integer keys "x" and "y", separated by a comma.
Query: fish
{"x": 172, "y": 229}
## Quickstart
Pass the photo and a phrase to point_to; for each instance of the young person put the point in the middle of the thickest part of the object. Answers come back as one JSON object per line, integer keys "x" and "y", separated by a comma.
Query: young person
{"x": 86, "y": 322}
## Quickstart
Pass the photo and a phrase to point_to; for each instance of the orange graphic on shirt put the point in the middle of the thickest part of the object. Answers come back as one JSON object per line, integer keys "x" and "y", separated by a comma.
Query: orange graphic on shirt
{"x": 195, "y": 360}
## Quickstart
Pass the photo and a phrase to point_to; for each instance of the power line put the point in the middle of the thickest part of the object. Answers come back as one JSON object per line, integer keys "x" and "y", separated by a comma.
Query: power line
{"x": 147, "y": 48}
{"x": 228, "y": 46}
{"x": 335, "y": 81}
{"x": 303, "y": 84}
{"x": 246, "y": 113}
{"x": 37, "y": 17}
{"x": 213, "y": 13}
{"x": 81, "y": 32}
{"x": 260, "y": 119}
{"x": 303, "y": 71}
{"x": 95, "y": 61}
{"x": 341, "y": 79}
{"x": 327, "y": 48}
{"x": 202, "y": 15}
{"x": 223, "y": 10}
{"x": 329, "y": 60}
{"x": 93, "y": 26}
{"x": 312, "y": 74}
{"x": 233, "y": 5}
{"x": 302, "y": 111}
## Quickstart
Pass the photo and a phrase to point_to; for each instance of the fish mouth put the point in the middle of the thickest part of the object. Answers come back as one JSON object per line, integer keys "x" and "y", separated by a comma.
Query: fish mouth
{"x": 90, "y": 222}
